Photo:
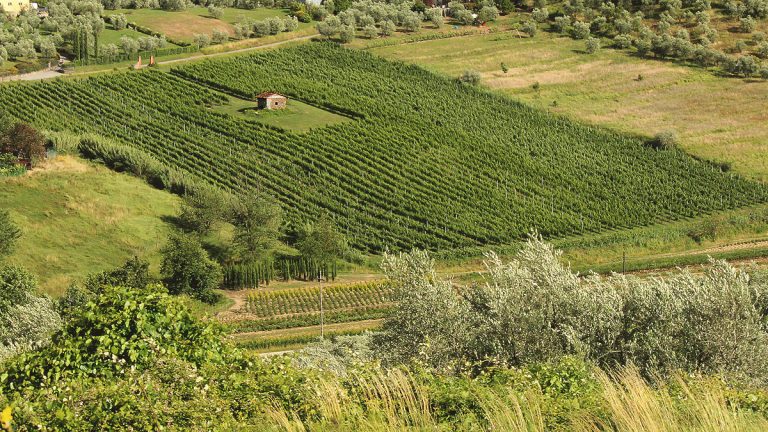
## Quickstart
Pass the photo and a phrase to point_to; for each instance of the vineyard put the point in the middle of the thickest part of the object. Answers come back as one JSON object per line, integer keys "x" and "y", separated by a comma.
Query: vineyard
{"x": 427, "y": 162}
{"x": 359, "y": 296}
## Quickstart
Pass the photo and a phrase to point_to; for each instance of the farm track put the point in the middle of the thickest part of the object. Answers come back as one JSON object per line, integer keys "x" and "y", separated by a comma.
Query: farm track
{"x": 300, "y": 331}
{"x": 49, "y": 74}
{"x": 237, "y": 51}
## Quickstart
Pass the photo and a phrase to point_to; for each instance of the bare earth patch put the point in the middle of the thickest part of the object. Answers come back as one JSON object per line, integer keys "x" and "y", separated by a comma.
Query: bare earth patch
{"x": 61, "y": 163}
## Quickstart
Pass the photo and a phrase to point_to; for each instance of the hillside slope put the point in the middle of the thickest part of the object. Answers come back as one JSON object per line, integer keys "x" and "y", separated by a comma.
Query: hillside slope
{"x": 78, "y": 217}
{"x": 428, "y": 162}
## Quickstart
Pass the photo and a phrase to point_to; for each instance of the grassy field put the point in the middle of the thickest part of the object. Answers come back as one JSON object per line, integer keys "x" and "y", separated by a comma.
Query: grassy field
{"x": 78, "y": 217}
{"x": 716, "y": 118}
{"x": 110, "y": 36}
{"x": 183, "y": 25}
{"x": 296, "y": 116}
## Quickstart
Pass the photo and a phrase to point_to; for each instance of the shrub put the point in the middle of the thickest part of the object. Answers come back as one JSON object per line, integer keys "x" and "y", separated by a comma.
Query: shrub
{"x": 119, "y": 330}
{"x": 201, "y": 40}
{"x": 27, "y": 326}
{"x": 747, "y": 24}
{"x": 529, "y": 28}
{"x": 470, "y": 77}
{"x": 540, "y": 15}
{"x": 186, "y": 268}
{"x": 215, "y": 12}
{"x": 665, "y": 140}
{"x": 17, "y": 286}
{"x": 622, "y": 41}
{"x": 592, "y": 45}
{"x": 580, "y": 30}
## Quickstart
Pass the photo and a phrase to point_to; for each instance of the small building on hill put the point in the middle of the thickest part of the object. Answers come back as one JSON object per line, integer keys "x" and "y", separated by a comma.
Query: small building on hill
{"x": 270, "y": 100}
{"x": 15, "y": 7}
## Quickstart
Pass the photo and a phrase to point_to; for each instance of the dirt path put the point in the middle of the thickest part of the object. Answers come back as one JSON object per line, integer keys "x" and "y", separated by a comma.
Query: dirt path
{"x": 300, "y": 331}
{"x": 50, "y": 74}
{"x": 237, "y": 51}
{"x": 33, "y": 76}
{"x": 755, "y": 244}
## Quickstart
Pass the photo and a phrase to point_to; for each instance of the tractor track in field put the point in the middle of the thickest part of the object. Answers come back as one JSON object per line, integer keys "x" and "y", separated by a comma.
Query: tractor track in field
{"x": 299, "y": 331}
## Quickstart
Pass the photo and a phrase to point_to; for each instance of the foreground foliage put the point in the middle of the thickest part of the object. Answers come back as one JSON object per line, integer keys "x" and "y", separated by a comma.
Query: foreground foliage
{"x": 535, "y": 309}
{"x": 134, "y": 359}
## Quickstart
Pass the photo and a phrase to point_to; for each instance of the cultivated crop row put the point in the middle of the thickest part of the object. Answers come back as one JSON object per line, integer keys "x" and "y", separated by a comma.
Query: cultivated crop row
{"x": 266, "y": 304}
{"x": 428, "y": 162}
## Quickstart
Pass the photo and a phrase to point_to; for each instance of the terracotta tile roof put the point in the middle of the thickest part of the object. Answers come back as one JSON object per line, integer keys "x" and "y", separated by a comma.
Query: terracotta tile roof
{"x": 268, "y": 94}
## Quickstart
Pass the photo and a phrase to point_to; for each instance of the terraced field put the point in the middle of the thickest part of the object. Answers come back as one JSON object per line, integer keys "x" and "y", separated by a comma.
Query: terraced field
{"x": 427, "y": 162}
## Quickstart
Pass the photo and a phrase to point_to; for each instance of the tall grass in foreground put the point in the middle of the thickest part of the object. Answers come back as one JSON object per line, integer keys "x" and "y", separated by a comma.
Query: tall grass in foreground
{"x": 395, "y": 401}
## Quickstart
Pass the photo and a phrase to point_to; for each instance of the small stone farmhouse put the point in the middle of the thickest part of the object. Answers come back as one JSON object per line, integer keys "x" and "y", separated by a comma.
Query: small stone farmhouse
{"x": 269, "y": 100}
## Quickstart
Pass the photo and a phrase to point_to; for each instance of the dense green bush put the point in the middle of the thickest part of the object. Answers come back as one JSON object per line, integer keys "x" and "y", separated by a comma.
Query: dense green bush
{"x": 187, "y": 269}
{"x": 120, "y": 330}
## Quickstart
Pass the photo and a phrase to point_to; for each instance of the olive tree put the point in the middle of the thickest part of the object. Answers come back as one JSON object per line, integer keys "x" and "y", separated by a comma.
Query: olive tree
{"x": 387, "y": 28}
{"x": 346, "y": 33}
{"x": 219, "y": 36}
{"x": 129, "y": 45}
{"x": 488, "y": 14}
{"x": 470, "y": 77}
{"x": 370, "y": 31}
{"x": 329, "y": 27}
{"x": 592, "y": 45}
{"x": 529, "y": 28}
{"x": 535, "y": 309}
{"x": 215, "y": 12}
{"x": 747, "y": 24}
{"x": 540, "y": 15}
{"x": 434, "y": 16}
